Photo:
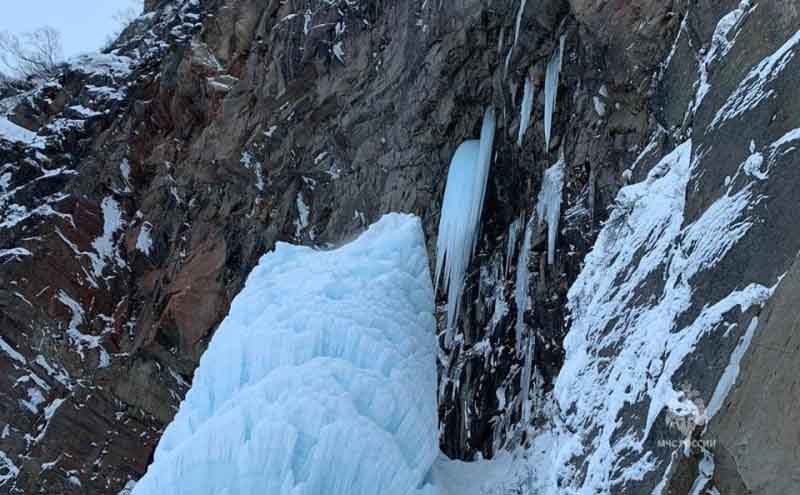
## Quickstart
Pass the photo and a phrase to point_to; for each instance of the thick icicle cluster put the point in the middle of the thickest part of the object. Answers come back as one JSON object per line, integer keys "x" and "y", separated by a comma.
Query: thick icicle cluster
{"x": 548, "y": 206}
{"x": 551, "y": 88}
{"x": 526, "y": 110}
{"x": 320, "y": 381}
{"x": 459, "y": 223}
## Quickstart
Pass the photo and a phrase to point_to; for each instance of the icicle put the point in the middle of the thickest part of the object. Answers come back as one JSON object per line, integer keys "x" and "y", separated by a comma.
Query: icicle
{"x": 511, "y": 246}
{"x": 548, "y": 207}
{"x": 460, "y": 218}
{"x": 516, "y": 34}
{"x": 522, "y": 281}
{"x": 525, "y": 385}
{"x": 551, "y": 88}
{"x": 527, "y": 109}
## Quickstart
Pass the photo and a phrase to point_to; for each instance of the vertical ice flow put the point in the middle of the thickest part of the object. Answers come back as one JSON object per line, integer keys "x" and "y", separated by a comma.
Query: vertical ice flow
{"x": 459, "y": 223}
{"x": 551, "y": 88}
{"x": 526, "y": 110}
{"x": 548, "y": 206}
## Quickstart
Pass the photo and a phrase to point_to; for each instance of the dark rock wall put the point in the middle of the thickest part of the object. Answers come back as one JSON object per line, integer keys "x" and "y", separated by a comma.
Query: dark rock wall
{"x": 248, "y": 122}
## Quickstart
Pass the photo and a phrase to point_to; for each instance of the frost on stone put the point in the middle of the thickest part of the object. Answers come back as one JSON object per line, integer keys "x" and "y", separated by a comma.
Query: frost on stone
{"x": 249, "y": 162}
{"x": 8, "y": 470}
{"x": 459, "y": 223}
{"x": 551, "y": 88}
{"x": 303, "y": 214}
{"x": 80, "y": 340}
{"x": 105, "y": 245}
{"x": 548, "y": 205}
{"x": 144, "y": 241}
{"x": 321, "y": 379}
{"x": 526, "y": 110}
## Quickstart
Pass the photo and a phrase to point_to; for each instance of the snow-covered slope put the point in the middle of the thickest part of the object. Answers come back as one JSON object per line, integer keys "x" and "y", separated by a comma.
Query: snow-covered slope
{"x": 321, "y": 380}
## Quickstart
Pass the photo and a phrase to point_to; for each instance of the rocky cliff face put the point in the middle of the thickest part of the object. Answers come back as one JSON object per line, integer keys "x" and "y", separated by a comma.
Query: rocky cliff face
{"x": 139, "y": 187}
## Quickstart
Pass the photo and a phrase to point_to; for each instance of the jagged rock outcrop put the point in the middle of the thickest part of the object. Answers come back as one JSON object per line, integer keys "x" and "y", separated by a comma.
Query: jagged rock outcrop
{"x": 139, "y": 187}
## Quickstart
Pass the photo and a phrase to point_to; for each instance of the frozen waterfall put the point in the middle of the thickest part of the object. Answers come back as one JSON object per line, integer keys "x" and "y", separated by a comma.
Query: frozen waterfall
{"x": 459, "y": 223}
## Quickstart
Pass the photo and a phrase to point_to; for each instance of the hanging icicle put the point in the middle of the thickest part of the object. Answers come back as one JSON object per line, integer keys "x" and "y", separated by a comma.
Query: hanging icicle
{"x": 551, "y": 88}
{"x": 459, "y": 223}
{"x": 548, "y": 206}
{"x": 526, "y": 110}
{"x": 511, "y": 243}
{"x": 516, "y": 35}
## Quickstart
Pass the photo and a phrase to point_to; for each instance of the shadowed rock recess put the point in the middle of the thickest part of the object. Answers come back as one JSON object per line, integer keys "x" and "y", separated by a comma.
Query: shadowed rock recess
{"x": 138, "y": 188}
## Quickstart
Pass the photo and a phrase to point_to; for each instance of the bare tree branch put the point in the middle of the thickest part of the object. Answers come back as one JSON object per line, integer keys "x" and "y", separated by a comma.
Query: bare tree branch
{"x": 34, "y": 54}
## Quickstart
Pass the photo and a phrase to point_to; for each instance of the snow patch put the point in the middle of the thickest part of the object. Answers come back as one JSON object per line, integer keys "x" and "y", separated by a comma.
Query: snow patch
{"x": 144, "y": 241}
{"x": 79, "y": 339}
{"x": 720, "y": 46}
{"x": 17, "y": 134}
{"x": 250, "y": 163}
{"x": 753, "y": 88}
{"x": 105, "y": 246}
{"x": 11, "y": 352}
{"x": 13, "y": 254}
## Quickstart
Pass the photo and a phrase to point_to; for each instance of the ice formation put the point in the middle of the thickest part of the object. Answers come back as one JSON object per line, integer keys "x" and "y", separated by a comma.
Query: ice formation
{"x": 522, "y": 280}
{"x": 517, "y": 26}
{"x": 548, "y": 206}
{"x": 551, "y": 88}
{"x": 511, "y": 242}
{"x": 524, "y": 345}
{"x": 321, "y": 380}
{"x": 459, "y": 223}
{"x": 527, "y": 109}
